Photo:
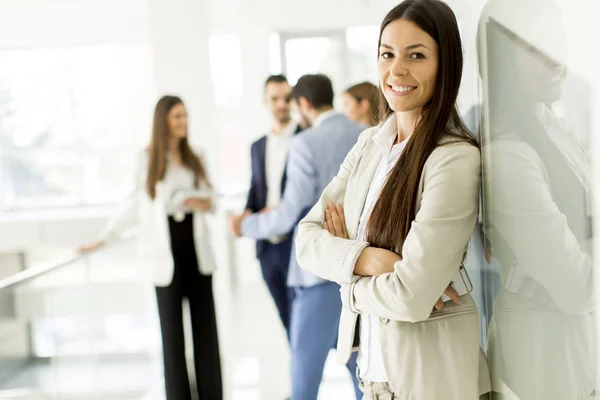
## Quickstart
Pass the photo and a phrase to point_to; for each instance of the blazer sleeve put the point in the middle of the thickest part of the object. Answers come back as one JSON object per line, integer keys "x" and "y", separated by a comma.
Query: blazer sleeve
{"x": 436, "y": 242}
{"x": 318, "y": 251}
{"x": 299, "y": 194}
{"x": 251, "y": 203}
{"x": 129, "y": 206}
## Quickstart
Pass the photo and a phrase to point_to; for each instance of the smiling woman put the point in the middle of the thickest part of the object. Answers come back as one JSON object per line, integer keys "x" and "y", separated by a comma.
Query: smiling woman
{"x": 408, "y": 64}
{"x": 409, "y": 190}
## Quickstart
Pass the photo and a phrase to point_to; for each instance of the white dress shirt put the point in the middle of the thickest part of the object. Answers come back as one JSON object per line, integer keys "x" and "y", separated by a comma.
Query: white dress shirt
{"x": 370, "y": 359}
{"x": 179, "y": 185}
{"x": 275, "y": 160}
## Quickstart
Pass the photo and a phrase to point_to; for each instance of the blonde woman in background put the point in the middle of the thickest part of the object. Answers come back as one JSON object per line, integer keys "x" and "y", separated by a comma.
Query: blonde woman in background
{"x": 361, "y": 103}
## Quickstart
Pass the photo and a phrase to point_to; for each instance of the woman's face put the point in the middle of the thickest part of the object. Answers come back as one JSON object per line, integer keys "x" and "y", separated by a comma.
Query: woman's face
{"x": 355, "y": 110}
{"x": 177, "y": 121}
{"x": 540, "y": 77}
{"x": 407, "y": 66}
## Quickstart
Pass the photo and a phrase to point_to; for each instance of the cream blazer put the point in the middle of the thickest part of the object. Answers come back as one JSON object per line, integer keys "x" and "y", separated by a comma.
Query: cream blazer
{"x": 427, "y": 355}
{"x": 154, "y": 256}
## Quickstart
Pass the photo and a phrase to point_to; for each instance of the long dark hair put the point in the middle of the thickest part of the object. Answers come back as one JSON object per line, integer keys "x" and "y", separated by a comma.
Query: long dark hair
{"x": 159, "y": 148}
{"x": 395, "y": 209}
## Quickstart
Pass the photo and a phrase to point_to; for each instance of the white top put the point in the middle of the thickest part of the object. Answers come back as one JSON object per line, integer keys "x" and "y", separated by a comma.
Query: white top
{"x": 275, "y": 160}
{"x": 179, "y": 184}
{"x": 370, "y": 358}
{"x": 323, "y": 116}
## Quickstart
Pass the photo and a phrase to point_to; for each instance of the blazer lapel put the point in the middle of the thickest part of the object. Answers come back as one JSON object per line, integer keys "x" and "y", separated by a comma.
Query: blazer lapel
{"x": 262, "y": 162}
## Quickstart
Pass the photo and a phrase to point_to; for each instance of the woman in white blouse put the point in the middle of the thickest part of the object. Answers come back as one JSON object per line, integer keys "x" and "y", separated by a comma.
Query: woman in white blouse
{"x": 171, "y": 197}
{"x": 392, "y": 227}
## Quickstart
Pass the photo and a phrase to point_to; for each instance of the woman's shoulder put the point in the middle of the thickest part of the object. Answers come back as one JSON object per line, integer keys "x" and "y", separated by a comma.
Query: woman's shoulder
{"x": 368, "y": 133}
{"x": 455, "y": 149}
{"x": 142, "y": 156}
{"x": 197, "y": 150}
{"x": 366, "y": 136}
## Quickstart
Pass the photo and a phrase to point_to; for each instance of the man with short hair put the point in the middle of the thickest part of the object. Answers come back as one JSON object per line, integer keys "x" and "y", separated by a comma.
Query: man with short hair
{"x": 314, "y": 159}
{"x": 269, "y": 155}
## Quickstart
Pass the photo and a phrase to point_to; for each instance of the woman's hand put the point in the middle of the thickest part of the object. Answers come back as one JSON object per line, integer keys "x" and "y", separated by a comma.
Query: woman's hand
{"x": 198, "y": 204}
{"x": 335, "y": 221}
{"x": 372, "y": 261}
{"x": 90, "y": 247}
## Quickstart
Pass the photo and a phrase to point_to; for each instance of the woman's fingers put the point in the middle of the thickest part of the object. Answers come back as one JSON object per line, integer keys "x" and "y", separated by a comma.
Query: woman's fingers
{"x": 337, "y": 222}
{"x": 340, "y": 210}
{"x": 329, "y": 222}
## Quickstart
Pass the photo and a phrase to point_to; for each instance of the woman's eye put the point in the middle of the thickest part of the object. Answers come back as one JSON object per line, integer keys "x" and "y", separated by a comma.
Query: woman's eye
{"x": 417, "y": 56}
{"x": 386, "y": 55}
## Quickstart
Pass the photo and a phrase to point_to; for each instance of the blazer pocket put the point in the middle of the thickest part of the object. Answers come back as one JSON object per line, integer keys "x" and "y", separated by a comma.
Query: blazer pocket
{"x": 434, "y": 359}
{"x": 451, "y": 312}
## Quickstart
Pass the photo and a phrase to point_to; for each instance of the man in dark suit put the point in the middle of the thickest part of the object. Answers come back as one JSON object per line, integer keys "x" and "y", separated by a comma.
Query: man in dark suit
{"x": 269, "y": 155}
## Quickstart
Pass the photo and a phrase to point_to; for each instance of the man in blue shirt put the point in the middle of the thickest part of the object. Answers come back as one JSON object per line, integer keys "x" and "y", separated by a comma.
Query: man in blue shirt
{"x": 314, "y": 159}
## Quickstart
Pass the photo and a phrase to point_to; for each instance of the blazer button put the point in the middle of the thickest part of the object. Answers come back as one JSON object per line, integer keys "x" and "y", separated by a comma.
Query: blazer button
{"x": 384, "y": 320}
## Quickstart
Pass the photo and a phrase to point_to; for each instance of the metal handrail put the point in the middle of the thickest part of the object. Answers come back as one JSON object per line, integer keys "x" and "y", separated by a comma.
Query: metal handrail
{"x": 35, "y": 272}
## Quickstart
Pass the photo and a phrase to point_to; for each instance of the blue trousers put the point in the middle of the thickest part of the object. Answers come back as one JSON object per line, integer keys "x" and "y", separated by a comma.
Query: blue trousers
{"x": 274, "y": 263}
{"x": 314, "y": 328}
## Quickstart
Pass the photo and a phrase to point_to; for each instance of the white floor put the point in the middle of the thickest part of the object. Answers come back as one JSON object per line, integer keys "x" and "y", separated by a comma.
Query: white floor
{"x": 253, "y": 344}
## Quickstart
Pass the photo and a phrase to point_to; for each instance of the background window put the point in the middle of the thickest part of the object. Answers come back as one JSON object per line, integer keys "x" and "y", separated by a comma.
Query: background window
{"x": 64, "y": 112}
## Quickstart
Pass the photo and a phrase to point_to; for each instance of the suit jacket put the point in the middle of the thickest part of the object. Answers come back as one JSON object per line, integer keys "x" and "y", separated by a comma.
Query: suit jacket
{"x": 257, "y": 195}
{"x": 314, "y": 158}
{"x": 428, "y": 355}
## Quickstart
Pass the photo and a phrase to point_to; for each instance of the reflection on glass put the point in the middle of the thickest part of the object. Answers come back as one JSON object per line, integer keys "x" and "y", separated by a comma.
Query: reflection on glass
{"x": 538, "y": 219}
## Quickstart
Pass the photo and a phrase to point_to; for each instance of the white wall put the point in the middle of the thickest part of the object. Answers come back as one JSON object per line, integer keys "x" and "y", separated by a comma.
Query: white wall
{"x": 34, "y": 23}
{"x": 179, "y": 37}
{"x": 298, "y": 15}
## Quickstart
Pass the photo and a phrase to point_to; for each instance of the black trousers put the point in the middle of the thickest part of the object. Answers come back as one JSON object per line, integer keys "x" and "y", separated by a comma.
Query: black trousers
{"x": 274, "y": 264}
{"x": 189, "y": 282}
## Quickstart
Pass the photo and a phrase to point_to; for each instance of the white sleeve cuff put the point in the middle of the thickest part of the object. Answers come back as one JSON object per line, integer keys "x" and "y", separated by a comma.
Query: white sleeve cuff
{"x": 347, "y": 294}
{"x": 350, "y": 254}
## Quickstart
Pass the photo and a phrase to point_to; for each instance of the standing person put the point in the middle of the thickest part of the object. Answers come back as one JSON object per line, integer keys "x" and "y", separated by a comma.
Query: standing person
{"x": 393, "y": 226}
{"x": 171, "y": 197}
{"x": 361, "y": 103}
{"x": 269, "y": 155}
{"x": 313, "y": 160}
